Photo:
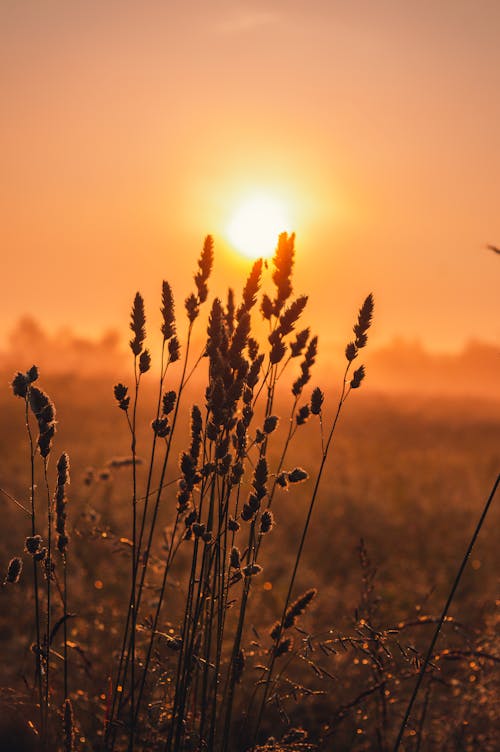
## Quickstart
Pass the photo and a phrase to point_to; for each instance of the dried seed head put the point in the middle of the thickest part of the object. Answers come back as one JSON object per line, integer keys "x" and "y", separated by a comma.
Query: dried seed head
{"x": 14, "y": 570}
{"x": 266, "y": 521}
{"x": 351, "y": 351}
{"x": 121, "y": 396}
{"x": 63, "y": 470}
{"x": 300, "y": 342}
{"x": 32, "y": 374}
{"x": 167, "y": 311}
{"x": 215, "y": 329}
{"x": 297, "y": 475}
{"x": 278, "y": 348}
{"x": 196, "y": 431}
{"x": 282, "y": 480}
{"x": 137, "y": 325}
{"x": 298, "y": 607}
{"x": 235, "y": 560}
{"x": 161, "y": 427}
{"x": 357, "y": 377}
{"x": 239, "y": 340}
{"x": 251, "y": 570}
{"x": 302, "y": 415}
{"x": 224, "y": 465}
{"x": 270, "y": 424}
{"x": 364, "y": 321}
{"x": 317, "y": 399}
{"x": 144, "y": 362}
{"x": 192, "y": 307}
{"x": 253, "y": 372}
{"x": 61, "y": 501}
{"x": 205, "y": 264}
{"x": 253, "y": 348}
{"x": 45, "y": 413}
{"x": 198, "y": 529}
{"x": 291, "y": 315}
{"x": 45, "y": 440}
{"x": 275, "y": 630}
{"x": 168, "y": 403}
{"x": 174, "y": 349}
{"x": 20, "y": 385}
{"x": 233, "y": 525}
{"x": 266, "y": 307}
{"x": 282, "y": 276}
{"x": 21, "y": 382}
{"x": 259, "y": 436}
{"x": 251, "y": 288}
{"x": 32, "y": 544}
{"x": 284, "y": 646}
{"x": 260, "y": 478}
{"x": 248, "y": 513}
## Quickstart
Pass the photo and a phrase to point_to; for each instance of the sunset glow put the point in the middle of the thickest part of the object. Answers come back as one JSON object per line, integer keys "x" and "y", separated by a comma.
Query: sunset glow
{"x": 255, "y": 225}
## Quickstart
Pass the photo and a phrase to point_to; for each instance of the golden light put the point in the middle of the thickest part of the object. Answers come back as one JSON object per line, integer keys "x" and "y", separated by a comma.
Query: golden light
{"x": 255, "y": 225}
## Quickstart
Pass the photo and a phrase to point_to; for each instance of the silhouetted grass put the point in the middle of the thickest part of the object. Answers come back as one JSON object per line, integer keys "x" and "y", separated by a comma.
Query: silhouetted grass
{"x": 207, "y": 506}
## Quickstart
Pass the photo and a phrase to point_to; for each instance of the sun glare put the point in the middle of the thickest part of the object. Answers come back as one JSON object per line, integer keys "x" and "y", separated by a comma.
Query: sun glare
{"x": 255, "y": 225}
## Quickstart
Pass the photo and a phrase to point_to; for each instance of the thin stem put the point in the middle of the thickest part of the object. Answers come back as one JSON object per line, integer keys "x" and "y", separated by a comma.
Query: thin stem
{"x": 16, "y": 502}
{"x": 65, "y": 625}
{"x": 343, "y": 397}
{"x": 48, "y": 564}
{"x": 133, "y": 611}
{"x": 38, "y": 655}
{"x": 444, "y": 613}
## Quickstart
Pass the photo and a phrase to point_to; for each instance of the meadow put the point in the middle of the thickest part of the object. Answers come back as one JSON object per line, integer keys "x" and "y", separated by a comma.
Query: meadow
{"x": 232, "y": 640}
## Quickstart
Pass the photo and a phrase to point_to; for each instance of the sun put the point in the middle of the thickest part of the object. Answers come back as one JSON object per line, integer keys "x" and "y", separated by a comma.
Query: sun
{"x": 256, "y": 223}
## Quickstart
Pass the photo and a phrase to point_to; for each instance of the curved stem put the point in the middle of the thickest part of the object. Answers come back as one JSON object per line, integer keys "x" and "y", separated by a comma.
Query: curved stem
{"x": 444, "y": 613}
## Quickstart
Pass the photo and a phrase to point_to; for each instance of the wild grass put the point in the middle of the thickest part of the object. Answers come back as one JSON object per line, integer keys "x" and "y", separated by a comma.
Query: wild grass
{"x": 221, "y": 495}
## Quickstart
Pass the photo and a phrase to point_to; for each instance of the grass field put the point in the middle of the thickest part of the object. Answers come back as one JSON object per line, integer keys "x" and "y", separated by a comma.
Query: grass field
{"x": 161, "y": 604}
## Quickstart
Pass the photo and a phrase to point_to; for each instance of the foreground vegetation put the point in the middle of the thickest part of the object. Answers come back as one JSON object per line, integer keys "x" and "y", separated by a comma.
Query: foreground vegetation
{"x": 212, "y": 583}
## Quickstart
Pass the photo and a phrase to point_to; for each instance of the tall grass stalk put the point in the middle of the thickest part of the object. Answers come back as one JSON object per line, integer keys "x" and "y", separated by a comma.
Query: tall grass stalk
{"x": 38, "y": 646}
{"x": 228, "y": 478}
{"x": 444, "y": 613}
{"x": 360, "y": 330}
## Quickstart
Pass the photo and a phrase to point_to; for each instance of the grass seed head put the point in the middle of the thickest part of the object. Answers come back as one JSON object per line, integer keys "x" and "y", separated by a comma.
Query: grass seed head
{"x": 297, "y": 475}
{"x": 14, "y": 570}
{"x": 167, "y": 311}
{"x": 32, "y": 544}
{"x": 357, "y": 377}
{"x": 298, "y": 607}
{"x": 317, "y": 398}
{"x": 138, "y": 324}
{"x": 205, "y": 264}
{"x": 121, "y": 396}
{"x": 144, "y": 361}
{"x": 266, "y": 521}
{"x": 174, "y": 350}
{"x": 251, "y": 570}
{"x": 251, "y": 288}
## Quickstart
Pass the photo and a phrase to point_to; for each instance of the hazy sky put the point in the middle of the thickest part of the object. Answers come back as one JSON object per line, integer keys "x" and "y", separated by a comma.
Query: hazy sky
{"x": 129, "y": 130}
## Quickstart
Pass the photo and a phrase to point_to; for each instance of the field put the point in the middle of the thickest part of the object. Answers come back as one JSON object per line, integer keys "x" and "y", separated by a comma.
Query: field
{"x": 166, "y": 606}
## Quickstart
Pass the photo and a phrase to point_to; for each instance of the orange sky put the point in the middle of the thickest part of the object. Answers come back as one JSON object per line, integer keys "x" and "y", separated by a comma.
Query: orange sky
{"x": 130, "y": 129}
